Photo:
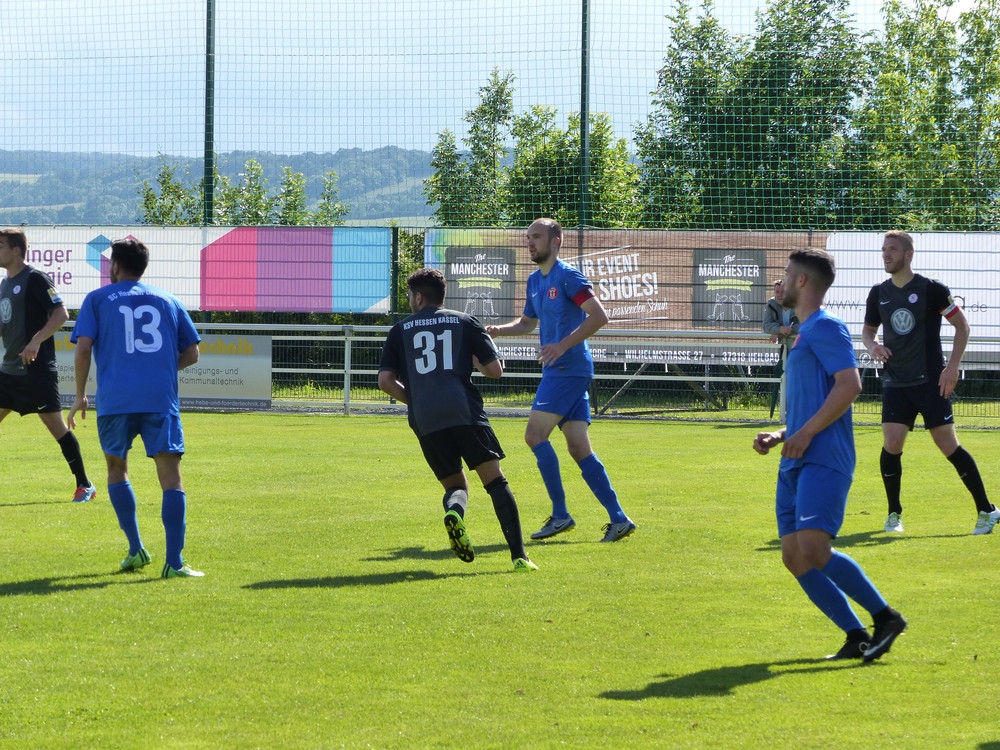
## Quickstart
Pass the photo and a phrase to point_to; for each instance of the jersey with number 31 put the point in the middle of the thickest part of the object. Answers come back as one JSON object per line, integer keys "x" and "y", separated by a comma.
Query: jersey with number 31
{"x": 431, "y": 354}
{"x": 139, "y": 332}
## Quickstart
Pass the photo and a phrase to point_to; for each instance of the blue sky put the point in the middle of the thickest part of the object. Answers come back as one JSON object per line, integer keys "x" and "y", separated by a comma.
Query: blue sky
{"x": 316, "y": 75}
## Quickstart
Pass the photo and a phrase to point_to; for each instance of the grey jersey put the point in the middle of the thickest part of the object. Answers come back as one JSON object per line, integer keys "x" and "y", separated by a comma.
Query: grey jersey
{"x": 431, "y": 353}
{"x": 26, "y": 302}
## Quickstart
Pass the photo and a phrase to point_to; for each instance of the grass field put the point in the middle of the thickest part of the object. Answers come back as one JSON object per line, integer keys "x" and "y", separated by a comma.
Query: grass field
{"x": 333, "y": 613}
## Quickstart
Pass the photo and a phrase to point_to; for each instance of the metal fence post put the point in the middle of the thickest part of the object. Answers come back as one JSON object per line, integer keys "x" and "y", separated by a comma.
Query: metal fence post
{"x": 348, "y": 330}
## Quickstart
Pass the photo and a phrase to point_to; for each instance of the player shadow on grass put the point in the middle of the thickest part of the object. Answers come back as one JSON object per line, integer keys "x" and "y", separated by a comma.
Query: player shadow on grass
{"x": 422, "y": 553}
{"x": 374, "y": 579}
{"x": 864, "y": 539}
{"x": 61, "y": 584}
{"x": 722, "y": 681}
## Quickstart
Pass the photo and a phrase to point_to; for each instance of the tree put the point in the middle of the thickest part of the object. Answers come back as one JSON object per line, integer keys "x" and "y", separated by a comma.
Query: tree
{"x": 330, "y": 212}
{"x": 290, "y": 203}
{"x": 468, "y": 190}
{"x": 170, "y": 203}
{"x": 247, "y": 203}
{"x": 448, "y": 187}
{"x": 682, "y": 146}
{"x": 750, "y": 135}
{"x": 478, "y": 189}
{"x": 546, "y": 175}
{"x": 929, "y": 124}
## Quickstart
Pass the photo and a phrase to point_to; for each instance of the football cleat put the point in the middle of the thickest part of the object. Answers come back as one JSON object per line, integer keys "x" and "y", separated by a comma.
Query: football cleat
{"x": 186, "y": 571}
{"x": 84, "y": 494}
{"x": 133, "y": 562}
{"x": 986, "y": 522}
{"x": 615, "y": 531}
{"x": 883, "y": 637}
{"x": 554, "y": 526}
{"x": 461, "y": 545}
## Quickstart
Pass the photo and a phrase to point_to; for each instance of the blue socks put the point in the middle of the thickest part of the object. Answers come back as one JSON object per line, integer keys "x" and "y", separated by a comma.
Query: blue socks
{"x": 596, "y": 477}
{"x": 851, "y": 579}
{"x": 830, "y": 600}
{"x": 174, "y": 515}
{"x": 548, "y": 466}
{"x": 829, "y": 588}
{"x": 123, "y": 501}
{"x": 594, "y": 474}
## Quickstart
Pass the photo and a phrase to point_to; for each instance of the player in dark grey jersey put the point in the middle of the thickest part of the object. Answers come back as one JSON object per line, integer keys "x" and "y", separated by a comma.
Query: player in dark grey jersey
{"x": 427, "y": 364}
{"x": 909, "y": 308}
{"x": 31, "y": 311}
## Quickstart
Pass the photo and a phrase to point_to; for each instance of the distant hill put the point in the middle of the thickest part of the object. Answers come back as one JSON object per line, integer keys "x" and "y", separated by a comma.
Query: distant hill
{"x": 42, "y": 187}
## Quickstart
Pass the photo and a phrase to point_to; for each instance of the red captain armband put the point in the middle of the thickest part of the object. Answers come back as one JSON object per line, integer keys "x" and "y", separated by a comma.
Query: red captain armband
{"x": 583, "y": 295}
{"x": 951, "y": 309}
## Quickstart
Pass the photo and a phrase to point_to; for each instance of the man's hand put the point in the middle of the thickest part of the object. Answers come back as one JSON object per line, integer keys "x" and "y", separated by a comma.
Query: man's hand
{"x": 767, "y": 440}
{"x": 79, "y": 405}
{"x": 880, "y": 353}
{"x": 549, "y": 353}
{"x": 796, "y": 445}
{"x": 948, "y": 380}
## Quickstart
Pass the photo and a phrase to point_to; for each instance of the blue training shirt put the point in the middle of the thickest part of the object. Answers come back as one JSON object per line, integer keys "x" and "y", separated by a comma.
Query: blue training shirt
{"x": 822, "y": 349}
{"x": 555, "y": 300}
{"x": 139, "y": 332}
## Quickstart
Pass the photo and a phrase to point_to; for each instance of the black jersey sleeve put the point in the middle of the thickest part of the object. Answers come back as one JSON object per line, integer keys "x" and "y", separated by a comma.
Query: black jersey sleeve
{"x": 873, "y": 317}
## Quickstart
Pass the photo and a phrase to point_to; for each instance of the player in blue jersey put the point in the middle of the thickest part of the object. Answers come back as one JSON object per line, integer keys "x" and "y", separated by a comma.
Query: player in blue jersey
{"x": 427, "y": 364}
{"x": 817, "y": 462}
{"x": 915, "y": 380}
{"x": 561, "y": 300}
{"x": 140, "y": 337}
{"x": 31, "y": 311}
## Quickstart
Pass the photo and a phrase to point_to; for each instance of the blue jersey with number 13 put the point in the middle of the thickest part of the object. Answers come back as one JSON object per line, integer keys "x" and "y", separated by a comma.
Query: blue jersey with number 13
{"x": 139, "y": 332}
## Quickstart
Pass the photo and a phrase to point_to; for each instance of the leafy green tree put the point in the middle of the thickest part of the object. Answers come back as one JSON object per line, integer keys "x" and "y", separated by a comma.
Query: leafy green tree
{"x": 468, "y": 190}
{"x": 330, "y": 212}
{"x": 171, "y": 202}
{"x": 489, "y": 127}
{"x": 929, "y": 125}
{"x": 479, "y": 189}
{"x": 751, "y": 134}
{"x": 979, "y": 119}
{"x": 449, "y": 186}
{"x": 290, "y": 203}
{"x": 545, "y": 177}
{"x": 246, "y": 203}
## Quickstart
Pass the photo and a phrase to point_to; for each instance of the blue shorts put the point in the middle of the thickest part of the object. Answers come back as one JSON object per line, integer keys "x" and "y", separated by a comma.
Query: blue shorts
{"x": 567, "y": 397}
{"x": 811, "y": 496}
{"x": 161, "y": 433}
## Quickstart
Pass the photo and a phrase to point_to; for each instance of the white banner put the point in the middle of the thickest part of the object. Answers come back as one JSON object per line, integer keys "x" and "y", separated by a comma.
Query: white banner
{"x": 232, "y": 372}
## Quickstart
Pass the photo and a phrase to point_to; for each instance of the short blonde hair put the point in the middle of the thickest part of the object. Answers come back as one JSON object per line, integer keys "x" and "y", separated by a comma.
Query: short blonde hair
{"x": 902, "y": 236}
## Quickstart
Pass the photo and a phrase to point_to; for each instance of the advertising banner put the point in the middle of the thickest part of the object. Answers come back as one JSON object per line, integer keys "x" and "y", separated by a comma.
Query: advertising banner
{"x": 232, "y": 372}
{"x": 256, "y": 269}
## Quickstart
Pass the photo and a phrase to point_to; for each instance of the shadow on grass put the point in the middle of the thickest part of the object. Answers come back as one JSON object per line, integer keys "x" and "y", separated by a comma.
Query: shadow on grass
{"x": 71, "y": 583}
{"x": 422, "y": 553}
{"x": 33, "y": 502}
{"x": 723, "y": 680}
{"x": 375, "y": 579}
{"x": 866, "y": 539}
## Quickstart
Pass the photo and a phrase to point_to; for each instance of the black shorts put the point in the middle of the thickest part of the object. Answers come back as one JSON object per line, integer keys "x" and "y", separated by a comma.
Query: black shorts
{"x": 34, "y": 393}
{"x": 445, "y": 449}
{"x": 901, "y": 405}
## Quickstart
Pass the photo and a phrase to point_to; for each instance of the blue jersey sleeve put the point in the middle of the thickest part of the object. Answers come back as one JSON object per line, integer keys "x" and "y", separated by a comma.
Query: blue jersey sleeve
{"x": 86, "y": 321}
{"x": 831, "y": 342}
